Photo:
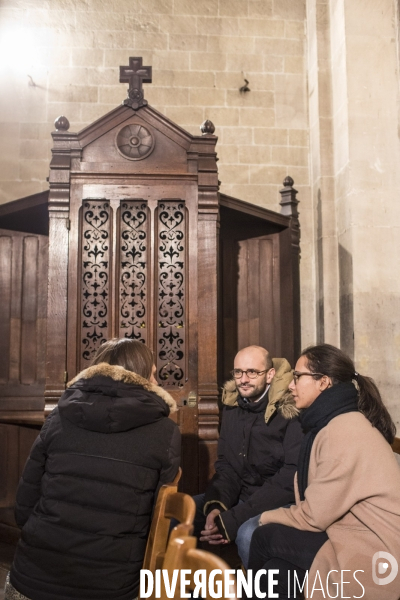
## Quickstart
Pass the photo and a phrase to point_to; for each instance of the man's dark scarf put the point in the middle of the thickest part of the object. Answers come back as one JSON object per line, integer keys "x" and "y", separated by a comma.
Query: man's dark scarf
{"x": 336, "y": 400}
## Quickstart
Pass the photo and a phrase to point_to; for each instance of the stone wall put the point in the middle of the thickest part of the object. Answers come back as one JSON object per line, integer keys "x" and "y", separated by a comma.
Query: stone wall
{"x": 201, "y": 52}
{"x": 355, "y": 153}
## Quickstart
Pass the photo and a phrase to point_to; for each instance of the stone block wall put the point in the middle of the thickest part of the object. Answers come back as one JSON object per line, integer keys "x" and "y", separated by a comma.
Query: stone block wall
{"x": 62, "y": 57}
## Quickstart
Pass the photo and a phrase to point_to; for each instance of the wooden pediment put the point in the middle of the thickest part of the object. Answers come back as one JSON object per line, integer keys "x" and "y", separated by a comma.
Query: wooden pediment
{"x": 132, "y": 139}
{"x": 134, "y": 142}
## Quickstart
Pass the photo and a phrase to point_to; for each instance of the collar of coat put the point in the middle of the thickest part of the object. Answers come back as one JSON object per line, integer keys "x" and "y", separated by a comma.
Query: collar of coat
{"x": 280, "y": 398}
{"x": 118, "y": 373}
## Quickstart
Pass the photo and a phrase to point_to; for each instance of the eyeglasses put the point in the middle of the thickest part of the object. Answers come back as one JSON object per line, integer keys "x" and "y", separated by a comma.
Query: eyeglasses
{"x": 298, "y": 374}
{"x": 251, "y": 373}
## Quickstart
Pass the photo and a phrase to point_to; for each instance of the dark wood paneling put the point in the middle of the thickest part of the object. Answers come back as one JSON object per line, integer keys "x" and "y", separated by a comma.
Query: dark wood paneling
{"x": 15, "y": 322}
{"x": 207, "y": 345}
{"x": 255, "y": 278}
{"x": 23, "y": 320}
{"x": 243, "y": 296}
{"x": 268, "y": 277}
{"x": 228, "y": 301}
{"x": 9, "y": 464}
{"x": 15, "y": 445}
{"x": 41, "y": 316}
{"x": 5, "y": 302}
{"x": 30, "y": 284}
{"x": 256, "y": 288}
{"x": 258, "y": 303}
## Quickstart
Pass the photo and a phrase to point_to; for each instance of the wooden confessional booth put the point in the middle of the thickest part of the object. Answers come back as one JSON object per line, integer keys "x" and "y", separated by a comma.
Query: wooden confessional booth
{"x": 134, "y": 239}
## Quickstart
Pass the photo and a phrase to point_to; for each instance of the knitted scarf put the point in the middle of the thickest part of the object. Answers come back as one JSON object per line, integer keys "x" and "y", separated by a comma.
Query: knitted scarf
{"x": 336, "y": 400}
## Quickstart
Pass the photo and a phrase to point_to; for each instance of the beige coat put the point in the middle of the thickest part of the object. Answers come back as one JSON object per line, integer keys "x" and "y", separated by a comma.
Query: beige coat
{"x": 353, "y": 494}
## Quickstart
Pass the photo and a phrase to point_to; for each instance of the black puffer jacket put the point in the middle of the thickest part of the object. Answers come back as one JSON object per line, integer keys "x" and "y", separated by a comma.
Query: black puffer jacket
{"x": 258, "y": 450}
{"x": 86, "y": 495}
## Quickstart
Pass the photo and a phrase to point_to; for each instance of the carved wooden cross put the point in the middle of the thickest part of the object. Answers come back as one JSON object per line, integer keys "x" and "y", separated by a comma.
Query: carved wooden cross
{"x": 135, "y": 74}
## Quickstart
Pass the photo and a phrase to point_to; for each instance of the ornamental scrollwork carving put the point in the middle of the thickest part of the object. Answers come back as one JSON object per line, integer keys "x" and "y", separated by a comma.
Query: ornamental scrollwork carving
{"x": 171, "y": 330}
{"x": 133, "y": 269}
{"x": 95, "y": 261}
{"x": 134, "y": 142}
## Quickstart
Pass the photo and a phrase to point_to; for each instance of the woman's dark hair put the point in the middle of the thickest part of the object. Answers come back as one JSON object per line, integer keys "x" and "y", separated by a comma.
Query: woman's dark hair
{"x": 130, "y": 354}
{"x": 331, "y": 361}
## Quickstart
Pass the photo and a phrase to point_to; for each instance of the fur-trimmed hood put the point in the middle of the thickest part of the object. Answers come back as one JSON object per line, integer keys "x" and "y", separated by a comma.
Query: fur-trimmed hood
{"x": 279, "y": 395}
{"x": 120, "y": 374}
{"x": 108, "y": 398}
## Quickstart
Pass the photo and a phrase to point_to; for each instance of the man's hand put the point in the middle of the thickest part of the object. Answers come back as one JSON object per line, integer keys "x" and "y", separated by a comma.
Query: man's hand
{"x": 211, "y": 533}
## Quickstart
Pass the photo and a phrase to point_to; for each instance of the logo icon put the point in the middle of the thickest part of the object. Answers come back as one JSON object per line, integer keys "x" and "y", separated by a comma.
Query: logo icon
{"x": 380, "y": 565}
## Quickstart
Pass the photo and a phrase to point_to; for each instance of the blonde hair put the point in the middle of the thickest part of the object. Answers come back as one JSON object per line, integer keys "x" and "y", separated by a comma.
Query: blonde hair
{"x": 129, "y": 354}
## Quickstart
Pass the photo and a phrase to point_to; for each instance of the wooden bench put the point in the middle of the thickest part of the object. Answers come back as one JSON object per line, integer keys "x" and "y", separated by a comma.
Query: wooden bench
{"x": 183, "y": 554}
{"x": 170, "y": 504}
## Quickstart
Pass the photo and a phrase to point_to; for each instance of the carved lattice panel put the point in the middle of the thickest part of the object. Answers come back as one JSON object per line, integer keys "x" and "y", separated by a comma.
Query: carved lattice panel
{"x": 95, "y": 284}
{"x": 133, "y": 279}
{"x": 171, "y": 307}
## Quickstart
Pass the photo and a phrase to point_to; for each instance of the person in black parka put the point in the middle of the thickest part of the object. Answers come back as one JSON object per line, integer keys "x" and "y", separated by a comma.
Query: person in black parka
{"x": 86, "y": 495}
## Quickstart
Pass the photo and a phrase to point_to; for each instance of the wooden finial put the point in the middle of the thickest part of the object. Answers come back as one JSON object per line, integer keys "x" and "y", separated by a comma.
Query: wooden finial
{"x": 61, "y": 124}
{"x": 135, "y": 74}
{"x": 289, "y": 204}
{"x": 289, "y": 201}
{"x": 207, "y": 127}
{"x": 288, "y": 181}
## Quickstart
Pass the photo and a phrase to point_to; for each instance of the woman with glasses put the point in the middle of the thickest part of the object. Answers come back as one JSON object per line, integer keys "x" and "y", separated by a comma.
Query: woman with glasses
{"x": 344, "y": 530}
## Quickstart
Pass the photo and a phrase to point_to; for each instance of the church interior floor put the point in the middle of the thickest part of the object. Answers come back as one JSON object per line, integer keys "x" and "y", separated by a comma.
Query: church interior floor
{"x": 6, "y": 556}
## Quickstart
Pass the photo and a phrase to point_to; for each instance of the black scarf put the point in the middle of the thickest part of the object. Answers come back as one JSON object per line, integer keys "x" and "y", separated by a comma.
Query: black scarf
{"x": 336, "y": 400}
{"x": 253, "y": 407}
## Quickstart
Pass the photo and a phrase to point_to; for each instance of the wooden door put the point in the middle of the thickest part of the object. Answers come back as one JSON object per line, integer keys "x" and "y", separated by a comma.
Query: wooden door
{"x": 133, "y": 273}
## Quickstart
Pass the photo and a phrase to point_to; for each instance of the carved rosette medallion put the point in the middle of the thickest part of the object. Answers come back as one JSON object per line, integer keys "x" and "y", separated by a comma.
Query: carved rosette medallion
{"x": 133, "y": 269}
{"x": 134, "y": 142}
{"x": 95, "y": 261}
{"x": 171, "y": 331}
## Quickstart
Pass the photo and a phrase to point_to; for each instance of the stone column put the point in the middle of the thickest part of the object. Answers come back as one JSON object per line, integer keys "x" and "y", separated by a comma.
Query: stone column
{"x": 322, "y": 173}
{"x": 358, "y": 211}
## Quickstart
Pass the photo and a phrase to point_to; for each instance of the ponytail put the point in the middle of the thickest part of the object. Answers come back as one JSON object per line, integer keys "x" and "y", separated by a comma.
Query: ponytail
{"x": 371, "y": 405}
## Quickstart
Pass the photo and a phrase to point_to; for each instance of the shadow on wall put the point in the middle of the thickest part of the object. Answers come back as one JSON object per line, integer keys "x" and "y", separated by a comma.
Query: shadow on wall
{"x": 346, "y": 307}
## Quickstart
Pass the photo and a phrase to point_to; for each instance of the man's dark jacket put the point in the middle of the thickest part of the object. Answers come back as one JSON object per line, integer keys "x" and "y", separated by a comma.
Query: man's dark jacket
{"x": 257, "y": 454}
{"x": 86, "y": 495}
